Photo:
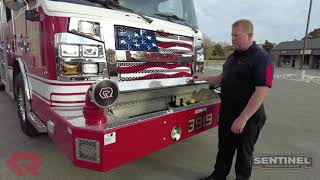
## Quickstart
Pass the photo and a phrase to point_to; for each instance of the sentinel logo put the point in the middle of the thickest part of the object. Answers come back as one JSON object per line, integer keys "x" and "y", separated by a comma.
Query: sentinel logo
{"x": 281, "y": 161}
{"x": 106, "y": 93}
{"x": 24, "y": 163}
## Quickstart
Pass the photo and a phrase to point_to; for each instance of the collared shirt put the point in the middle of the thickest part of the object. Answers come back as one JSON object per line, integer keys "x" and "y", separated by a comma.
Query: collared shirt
{"x": 242, "y": 72}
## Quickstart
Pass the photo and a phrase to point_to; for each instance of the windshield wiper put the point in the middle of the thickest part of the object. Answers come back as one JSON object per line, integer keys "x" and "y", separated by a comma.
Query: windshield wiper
{"x": 114, "y": 4}
{"x": 170, "y": 17}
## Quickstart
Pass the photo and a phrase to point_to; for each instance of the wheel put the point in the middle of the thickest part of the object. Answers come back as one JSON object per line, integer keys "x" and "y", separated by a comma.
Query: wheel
{"x": 25, "y": 124}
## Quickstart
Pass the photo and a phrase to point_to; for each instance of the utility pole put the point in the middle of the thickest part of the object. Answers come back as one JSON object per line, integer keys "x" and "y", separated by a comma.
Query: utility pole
{"x": 306, "y": 36}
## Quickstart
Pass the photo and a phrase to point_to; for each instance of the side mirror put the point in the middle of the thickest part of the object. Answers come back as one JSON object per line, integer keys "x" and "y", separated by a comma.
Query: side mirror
{"x": 14, "y": 4}
{"x": 32, "y": 15}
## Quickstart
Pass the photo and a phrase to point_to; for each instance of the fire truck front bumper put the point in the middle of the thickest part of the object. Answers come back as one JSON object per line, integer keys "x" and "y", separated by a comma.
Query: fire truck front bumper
{"x": 105, "y": 147}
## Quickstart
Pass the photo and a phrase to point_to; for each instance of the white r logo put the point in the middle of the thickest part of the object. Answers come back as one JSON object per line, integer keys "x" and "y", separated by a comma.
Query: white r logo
{"x": 106, "y": 93}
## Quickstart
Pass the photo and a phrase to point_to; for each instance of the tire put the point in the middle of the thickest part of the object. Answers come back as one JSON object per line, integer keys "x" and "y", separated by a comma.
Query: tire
{"x": 25, "y": 124}
{"x": 1, "y": 85}
{"x": 2, "y": 88}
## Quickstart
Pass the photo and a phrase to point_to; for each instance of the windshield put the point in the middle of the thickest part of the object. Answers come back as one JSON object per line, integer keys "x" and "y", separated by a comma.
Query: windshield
{"x": 178, "y": 11}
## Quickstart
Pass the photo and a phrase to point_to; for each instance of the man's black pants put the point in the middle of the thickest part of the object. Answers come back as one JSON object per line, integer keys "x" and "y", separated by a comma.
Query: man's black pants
{"x": 243, "y": 143}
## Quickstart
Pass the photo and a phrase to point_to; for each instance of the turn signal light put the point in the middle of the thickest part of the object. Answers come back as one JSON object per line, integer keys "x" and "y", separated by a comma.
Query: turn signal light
{"x": 70, "y": 69}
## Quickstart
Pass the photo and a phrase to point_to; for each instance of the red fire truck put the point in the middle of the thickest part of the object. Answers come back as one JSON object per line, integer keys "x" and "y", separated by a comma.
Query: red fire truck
{"x": 109, "y": 81}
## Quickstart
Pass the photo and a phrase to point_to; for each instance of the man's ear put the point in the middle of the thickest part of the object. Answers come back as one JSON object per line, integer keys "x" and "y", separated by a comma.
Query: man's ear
{"x": 250, "y": 35}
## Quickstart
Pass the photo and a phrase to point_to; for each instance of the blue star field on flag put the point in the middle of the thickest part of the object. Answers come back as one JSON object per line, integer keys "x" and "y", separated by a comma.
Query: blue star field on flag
{"x": 134, "y": 39}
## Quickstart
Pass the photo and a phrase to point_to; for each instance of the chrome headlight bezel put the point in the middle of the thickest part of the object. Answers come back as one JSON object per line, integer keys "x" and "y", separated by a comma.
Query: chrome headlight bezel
{"x": 200, "y": 50}
{"x": 200, "y": 54}
{"x": 70, "y": 51}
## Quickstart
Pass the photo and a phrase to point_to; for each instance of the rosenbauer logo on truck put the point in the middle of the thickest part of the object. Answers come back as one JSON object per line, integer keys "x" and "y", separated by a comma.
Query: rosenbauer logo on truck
{"x": 106, "y": 93}
{"x": 24, "y": 163}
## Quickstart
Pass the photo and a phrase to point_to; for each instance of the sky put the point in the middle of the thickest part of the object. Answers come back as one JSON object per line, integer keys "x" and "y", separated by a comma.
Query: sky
{"x": 275, "y": 21}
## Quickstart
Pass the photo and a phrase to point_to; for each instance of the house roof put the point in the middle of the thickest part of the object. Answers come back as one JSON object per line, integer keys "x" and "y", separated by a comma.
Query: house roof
{"x": 290, "y": 45}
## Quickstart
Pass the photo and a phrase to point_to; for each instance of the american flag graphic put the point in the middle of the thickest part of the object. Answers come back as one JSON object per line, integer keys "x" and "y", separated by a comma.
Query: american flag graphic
{"x": 134, "y": 39}
{"x": 128, "y": 71}
{"x": 154, "y": 43}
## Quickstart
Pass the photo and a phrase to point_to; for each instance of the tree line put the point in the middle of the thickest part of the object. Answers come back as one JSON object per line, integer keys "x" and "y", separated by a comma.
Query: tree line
{"x": 220, "y": 51}
{"x": 315, "y": 34}
{"x": 214, "y": 50}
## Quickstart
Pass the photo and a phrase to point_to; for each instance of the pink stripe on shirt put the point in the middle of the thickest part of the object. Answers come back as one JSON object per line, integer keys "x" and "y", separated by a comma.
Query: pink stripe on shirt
{"x": 269, "y": 75}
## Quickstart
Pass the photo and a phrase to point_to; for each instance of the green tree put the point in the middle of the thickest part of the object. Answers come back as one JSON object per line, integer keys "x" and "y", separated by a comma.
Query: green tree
{"x": 215, "y": 51}
{"x": 208, "y": 47}
{"x": 267, "y": 46}
{"x": 219, "y": 50}
{"x": 315, "y": 34}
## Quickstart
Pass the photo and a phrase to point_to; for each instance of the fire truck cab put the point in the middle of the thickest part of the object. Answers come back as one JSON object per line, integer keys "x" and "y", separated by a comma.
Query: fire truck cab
{"x": 109, "y": 81}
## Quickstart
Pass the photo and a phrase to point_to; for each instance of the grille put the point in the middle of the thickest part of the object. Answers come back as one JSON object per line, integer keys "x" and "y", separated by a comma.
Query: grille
{"x": 129, "y": 71}
{"x": 87, "y": 150}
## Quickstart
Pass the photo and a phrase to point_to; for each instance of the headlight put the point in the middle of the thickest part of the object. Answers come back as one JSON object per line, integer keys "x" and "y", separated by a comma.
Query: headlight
{"x": 90, "y": 68}
{"x": 70, "y": 69}
{"x": 90, "y": 51}
{"x": 200, "y": 55}
{"x": 200, "y": 50}
{"x": 73, "y": 69}
{"x": 67, "y": 50}
{"x": 86, "y": 28}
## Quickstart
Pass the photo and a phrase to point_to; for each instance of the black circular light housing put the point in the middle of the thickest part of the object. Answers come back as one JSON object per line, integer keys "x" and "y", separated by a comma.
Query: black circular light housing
{"x": 105, "y": 93}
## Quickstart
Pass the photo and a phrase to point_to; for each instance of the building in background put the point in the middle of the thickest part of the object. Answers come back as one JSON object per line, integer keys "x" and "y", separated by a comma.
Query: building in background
{"x": 289, "y": 54}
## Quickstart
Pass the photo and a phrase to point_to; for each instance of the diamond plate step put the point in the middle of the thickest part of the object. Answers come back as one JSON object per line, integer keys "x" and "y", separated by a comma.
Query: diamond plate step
{"x": 37, "y": 123}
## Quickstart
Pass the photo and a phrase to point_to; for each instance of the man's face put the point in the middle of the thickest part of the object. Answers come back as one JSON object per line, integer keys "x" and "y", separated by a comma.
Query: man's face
{"x": 240, "y": 39}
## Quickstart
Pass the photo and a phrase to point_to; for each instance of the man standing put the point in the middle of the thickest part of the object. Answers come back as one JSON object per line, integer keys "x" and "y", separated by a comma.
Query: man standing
{"x": 245, "y": 81}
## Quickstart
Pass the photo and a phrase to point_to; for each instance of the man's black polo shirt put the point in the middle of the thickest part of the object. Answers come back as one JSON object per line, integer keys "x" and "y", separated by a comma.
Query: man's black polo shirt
{"x": 242, "y": 72}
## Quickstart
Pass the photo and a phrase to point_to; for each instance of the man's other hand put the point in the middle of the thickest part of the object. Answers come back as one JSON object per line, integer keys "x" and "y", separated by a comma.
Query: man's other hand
{"x": 238, "y": 125}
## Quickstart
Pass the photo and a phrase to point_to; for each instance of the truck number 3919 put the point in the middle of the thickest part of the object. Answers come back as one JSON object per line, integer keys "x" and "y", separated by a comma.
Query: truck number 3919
{"x": 199, "y": 122}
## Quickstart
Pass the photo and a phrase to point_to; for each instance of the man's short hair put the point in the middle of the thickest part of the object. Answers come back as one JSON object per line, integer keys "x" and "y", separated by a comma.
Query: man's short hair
{"x": 245, "y": 24}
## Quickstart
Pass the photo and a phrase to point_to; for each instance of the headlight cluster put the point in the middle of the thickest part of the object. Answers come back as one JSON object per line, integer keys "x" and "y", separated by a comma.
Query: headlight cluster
{"x": 76, "y": 68}
{"x": 86, "y": 51}
{"x": 200, "y": 55}
{"x": 78, "y": 56}
{"x": 200, "y": 50}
